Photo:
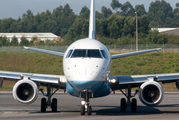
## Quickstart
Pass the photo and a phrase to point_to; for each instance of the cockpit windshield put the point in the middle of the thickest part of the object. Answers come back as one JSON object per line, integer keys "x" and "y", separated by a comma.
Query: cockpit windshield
{"x": 91, "y": 53}
{"x": 94, "y": 54}
{"x": 79, "y": 53}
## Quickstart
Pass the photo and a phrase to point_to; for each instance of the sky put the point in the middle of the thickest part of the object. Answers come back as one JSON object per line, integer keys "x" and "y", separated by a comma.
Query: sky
{"x": 16, "y": 8}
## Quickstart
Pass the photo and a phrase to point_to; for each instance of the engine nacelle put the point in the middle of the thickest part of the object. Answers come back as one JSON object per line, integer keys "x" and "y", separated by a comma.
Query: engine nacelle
{"x": 25, "y": 91}
{"x": 151, "y": 93}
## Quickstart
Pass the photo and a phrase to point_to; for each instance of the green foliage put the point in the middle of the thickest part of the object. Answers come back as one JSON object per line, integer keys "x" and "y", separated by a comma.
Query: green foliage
{"x": 57, "y": 22}
{"x": 14, "y": 41}
{"x": 150, "y": 63}
{"x": 140, "y": 10}
{"x": 85, "y": 12}
{"x": 24, "y": 41}
{"x": 118, "y": 27}
{"x": 140, "y": 63}
{"x": 106, "y": 11}
{"x": 4, "y": 41}
{"x": 159, "y": 13}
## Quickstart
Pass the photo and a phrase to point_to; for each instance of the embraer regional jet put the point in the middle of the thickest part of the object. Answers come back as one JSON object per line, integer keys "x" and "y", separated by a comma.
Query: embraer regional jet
{"x": 86, "y": 66}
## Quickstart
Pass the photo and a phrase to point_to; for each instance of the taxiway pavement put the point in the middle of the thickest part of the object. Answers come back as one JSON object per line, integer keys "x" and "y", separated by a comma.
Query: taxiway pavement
{"x": 103, "y": 109}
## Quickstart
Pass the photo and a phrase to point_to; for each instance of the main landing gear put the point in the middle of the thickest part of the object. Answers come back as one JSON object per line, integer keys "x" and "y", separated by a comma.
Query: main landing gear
{"x": 46, "y": 103}
{"x": 85, "y": 105}
{"x": 131, "y": 103}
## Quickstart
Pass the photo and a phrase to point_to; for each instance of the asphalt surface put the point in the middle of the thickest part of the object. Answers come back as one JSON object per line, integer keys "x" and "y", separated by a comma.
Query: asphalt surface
{"x": 103, "y": 108}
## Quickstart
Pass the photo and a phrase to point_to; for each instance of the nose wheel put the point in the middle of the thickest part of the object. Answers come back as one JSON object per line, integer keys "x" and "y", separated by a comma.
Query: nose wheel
{"x": 86, "y": 109}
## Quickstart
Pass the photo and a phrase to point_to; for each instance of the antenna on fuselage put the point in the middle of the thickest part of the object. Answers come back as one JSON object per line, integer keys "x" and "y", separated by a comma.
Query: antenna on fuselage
{"x": 92, "y": 20}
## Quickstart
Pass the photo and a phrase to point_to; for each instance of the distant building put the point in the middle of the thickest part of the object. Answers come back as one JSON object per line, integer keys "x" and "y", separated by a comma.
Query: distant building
{"x": 174, "y": 31}
{"x": 29, "y": 36}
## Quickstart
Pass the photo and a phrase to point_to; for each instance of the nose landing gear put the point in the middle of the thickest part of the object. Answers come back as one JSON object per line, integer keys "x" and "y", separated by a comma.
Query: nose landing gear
{"x": 85, "y": 105}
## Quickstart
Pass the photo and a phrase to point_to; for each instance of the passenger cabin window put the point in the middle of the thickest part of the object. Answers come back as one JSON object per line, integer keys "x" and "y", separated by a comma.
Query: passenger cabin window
{"x": 91, "y": 53}
{"x": 104, "y": 54}
{"x": 69, "y": 53}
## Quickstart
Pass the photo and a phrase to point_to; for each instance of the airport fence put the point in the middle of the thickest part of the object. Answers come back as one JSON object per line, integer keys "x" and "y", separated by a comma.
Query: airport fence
{"x": 113, "y": 48}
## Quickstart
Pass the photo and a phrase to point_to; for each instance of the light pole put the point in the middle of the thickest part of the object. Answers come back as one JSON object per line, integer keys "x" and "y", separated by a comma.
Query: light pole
{"x": 136, "y": 33}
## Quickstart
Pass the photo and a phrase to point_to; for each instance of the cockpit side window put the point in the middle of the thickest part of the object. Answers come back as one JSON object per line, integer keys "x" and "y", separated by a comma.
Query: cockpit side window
{"x": 104, "y": 54}
{"x": 79, "y": 53}
{"x": 94, "y": 53}
{"x": 69, "y": 53}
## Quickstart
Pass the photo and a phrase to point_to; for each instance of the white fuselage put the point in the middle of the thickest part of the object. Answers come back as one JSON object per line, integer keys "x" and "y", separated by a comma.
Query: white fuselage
{"x": 86, "y": 64}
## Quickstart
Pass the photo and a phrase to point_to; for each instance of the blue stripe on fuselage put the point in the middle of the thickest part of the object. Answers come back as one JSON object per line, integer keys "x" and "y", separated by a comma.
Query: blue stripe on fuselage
{"x": 90, "y": 86}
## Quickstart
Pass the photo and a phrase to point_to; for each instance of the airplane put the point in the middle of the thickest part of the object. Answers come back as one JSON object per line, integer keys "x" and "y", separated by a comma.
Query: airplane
{"x": 86, "y": 65}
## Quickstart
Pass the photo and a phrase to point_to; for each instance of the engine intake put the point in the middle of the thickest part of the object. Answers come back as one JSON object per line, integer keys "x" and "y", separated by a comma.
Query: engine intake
{"x": 151, "y": 93}
{"x": 25, "y": 91}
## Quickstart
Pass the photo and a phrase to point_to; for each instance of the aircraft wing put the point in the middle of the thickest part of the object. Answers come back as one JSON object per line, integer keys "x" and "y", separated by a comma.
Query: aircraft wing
{"x": 133, "y": 53}
{"x": 45, "y": 51}
{"x": 136, "y": 80}
{"x": 57, "y": 81}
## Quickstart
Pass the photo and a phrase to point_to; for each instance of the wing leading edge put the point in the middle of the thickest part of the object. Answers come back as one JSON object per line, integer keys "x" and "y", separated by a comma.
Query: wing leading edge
{"x": 133, "y": 53}
{"x": 136, "y": 80}
{"x": 45, "y": 51}
{"x": 58, "y": 81}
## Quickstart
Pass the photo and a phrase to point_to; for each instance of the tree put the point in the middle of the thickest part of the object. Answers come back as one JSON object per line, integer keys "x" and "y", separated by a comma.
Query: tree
{"x": 115, "y": 5}
{"x": 83, "y": 9}
{"x": 106, "y": 11}
{"x": 5, "y": 24}
{"x": 128, "y": 9}
{"x": 176, "y": 15}
{"x": 24, "y": 41}
{"x": 28, "y": 14}
{"x": 85, "y": 12}
{"x": 4, "y": 41}
{"x": 14, "y": 41}
{"x": 67, "y": 10}
{"x": 159, "y": 11}
{"x": 143, "y": 25}
{"x": 33, "y": 39}
{"x": 99, "y": 15}
{"x": 140, "y": 10}
{"x": 49, "y": 26}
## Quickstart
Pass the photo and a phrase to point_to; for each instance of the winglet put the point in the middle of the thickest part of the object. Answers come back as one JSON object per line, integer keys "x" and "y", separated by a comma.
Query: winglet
{"x": 92, "y": 21}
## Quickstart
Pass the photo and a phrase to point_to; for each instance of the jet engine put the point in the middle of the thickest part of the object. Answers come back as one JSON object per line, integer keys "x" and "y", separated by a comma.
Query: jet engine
{"x": 151, "y": 93}
{"x": 25, "y": 91}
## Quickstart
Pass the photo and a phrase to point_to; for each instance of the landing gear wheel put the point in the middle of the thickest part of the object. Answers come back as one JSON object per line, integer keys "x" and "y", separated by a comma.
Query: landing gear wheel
{"x": 82, "y": 110}
{"x": 123, "y": 105}
{"x": 89, "y": 110}
{"x": 134, "y": 105}
{"x": 54, "y": 105}
{"x": 43, "y": 105}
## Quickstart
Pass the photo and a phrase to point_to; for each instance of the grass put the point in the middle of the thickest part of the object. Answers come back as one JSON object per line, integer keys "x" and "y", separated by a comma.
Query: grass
{"x": 150, "y": 63}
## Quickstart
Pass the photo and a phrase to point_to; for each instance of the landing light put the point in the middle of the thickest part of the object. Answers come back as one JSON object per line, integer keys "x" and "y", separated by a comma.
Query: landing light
{"x": 83, "y": 102}
{"x": 113, "y": 80}
{"x": 63, "y": 80}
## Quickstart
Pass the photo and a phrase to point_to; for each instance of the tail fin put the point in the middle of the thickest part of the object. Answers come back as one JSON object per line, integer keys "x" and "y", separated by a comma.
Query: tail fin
{"x": 92, "y": 21}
